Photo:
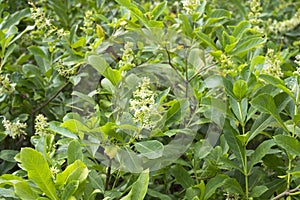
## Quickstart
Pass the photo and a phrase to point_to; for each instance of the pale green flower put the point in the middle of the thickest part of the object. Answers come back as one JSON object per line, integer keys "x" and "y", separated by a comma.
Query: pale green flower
{"x": 6, "y": 86}
{"x": 143, "y": 104}
{"x": 41, "y": 125}
{"x": 14, "y": 129}
{"x": 272, "y": 64}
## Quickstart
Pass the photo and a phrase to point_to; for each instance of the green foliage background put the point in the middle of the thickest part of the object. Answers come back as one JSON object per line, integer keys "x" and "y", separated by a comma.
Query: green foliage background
{"x": 58, "y": 142}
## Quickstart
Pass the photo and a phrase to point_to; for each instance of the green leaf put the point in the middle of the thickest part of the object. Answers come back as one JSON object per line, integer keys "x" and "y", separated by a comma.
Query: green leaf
{"x": 14, "y": 19}
{"x": 260, "y": 124}
{"x": 258, "y": 60}
{"x": 70, "y": 189}
{"x": 8, "y": 155}
{"x": 97, "y": 62}
{"x": 8, "y": 193}
{"x": 139, "y": 188}
{"x": 37, "y": 51}
{"x": 257, "y": 191}
{"x": 151, "y": 149}
{"x": 74, "y": 152}
{"x": 232, "y": 186}
{"x": 174, "y": 113}
{"x": 75, "y": 171}
{"x": 247, "y": 44}
{"x": 240, "y": 29}
{"x": 95, "y": 179}
{"x": 79, "y": 43}
{"x": 290, "y": 144}
{"x": 240, "y": 89}
{"x": 234, "y": 143}
{"x": 260, "y": 152}
{"x": 158, "y": 10}
{"x": 75, "y": 126}
{"x": 24, "y": 191}
{"x": 38, "y": 171}
{"x": 186, "y": 26}
{"x": 207, "y": 40}
{"x": 277, "y": 83}
{"x": 182, "y": 176}
{"x": 158, "y": 195}
{"x": 55, "y": 127}
{"x": 213, "y": 184}
{"x": 265, "y": 103}
{"x": 114, "y": 75}
{"x": 84, "y": 97}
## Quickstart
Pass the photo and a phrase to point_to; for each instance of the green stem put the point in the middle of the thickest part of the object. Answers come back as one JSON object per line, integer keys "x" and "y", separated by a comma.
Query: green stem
{"x": 246, "y": 174}
{"x": 289, "y": 174}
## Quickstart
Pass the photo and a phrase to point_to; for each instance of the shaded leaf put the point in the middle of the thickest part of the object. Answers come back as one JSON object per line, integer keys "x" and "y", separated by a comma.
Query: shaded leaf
{"x": 288, "y": 143}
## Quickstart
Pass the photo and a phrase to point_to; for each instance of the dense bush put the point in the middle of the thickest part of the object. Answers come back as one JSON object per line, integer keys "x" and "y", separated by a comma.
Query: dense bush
{"x": 120, "y": 99}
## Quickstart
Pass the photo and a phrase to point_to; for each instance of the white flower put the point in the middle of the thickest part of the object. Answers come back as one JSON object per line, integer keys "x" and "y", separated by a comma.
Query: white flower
{"x": 143, "y": 104}
{"x": 14, "y": 129}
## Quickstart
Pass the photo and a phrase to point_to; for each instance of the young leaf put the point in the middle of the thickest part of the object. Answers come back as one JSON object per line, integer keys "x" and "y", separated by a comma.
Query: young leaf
{"x": 288, "y": 143}
{"x": 139, "y": 188}
{"x": 55, "y": 127}
{"x": 38, "y": 171}
{"x": 75, "y": 171}
{"x": 158, "y": 10}
{"x": 240, "y": 89}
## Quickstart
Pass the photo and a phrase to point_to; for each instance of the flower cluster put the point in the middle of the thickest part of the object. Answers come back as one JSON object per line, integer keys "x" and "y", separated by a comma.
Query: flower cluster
{"x": 44, "y": 23}
{"x": 190, "y": 5}
{"x": 128, "y": 56}
{"x": 41, "y": 125}
{"x": 6, "y": 87}
{"x": 88, "y": 22}
{"x": 272, "y": 64}
{"x": 14, "y": 129}
{"x": 66, "y": 71}
{"x": 287, "y": 25}
{"x": 254, "y": 16}
{"x": 297, "y": 61}
{"x": 143, "y": 104}
{"x": 255, "y": 12}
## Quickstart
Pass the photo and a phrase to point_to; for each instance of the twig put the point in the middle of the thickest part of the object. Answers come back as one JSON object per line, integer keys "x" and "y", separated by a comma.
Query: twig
{"x": 171, "y": 64}
{"x": 45, "y": 104}
{"x": 201, "y": 70}
{"x": 286, "y": 193}
{"x": 50, "y": 99}
{"x": 108, "y": 174}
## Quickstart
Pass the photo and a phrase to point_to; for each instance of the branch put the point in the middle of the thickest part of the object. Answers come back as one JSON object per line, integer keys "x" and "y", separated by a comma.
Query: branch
{"x": 286, "y": 193}
{"x": 201, "y": 70}
{"x": 45, "y": 104}
{"x": 171, "y": 64}
{"x": 50, "y": 99}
